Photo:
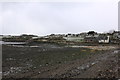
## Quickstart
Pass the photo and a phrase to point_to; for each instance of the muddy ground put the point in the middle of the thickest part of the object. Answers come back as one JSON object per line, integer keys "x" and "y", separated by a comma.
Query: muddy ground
{"x": 53, "y": 61}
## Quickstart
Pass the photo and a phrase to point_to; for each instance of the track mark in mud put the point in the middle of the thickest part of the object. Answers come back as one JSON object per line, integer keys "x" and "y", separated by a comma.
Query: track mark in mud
{"x": 81, "y": 69}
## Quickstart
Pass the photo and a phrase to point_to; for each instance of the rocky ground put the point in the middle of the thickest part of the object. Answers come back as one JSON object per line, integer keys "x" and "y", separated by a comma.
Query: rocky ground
{"x": 18, "y": 62}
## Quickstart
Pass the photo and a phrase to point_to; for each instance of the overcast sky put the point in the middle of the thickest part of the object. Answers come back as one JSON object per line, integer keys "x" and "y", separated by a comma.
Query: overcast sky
{"x": 43, "y": 18}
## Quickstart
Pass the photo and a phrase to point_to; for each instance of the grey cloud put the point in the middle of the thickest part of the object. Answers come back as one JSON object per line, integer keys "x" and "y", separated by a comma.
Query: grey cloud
{"x": 47, "y": 18}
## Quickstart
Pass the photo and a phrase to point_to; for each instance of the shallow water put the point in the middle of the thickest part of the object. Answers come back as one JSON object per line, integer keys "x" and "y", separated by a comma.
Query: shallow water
{"x": 2, "y": 42}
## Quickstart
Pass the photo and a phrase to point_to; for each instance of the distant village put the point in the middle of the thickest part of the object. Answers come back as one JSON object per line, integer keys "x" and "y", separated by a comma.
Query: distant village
{"x": 84, "y": 37}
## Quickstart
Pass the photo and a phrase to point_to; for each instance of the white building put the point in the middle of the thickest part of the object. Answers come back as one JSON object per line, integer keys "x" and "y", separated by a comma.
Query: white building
{"x": 76, "y": 39}
{"x": 104, "y": 40}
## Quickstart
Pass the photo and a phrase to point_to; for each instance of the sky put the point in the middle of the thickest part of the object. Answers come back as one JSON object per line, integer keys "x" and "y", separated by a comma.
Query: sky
{"x": 44, "y": 18}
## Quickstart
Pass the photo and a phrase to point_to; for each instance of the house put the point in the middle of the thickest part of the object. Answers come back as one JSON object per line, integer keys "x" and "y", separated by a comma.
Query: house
{"x": 91, "y": 39}
{"x": 116, "y": 34}
{"x": 1, "y": 36}
{"x": 104, "y": 39}
{"x": 75, "y": 39}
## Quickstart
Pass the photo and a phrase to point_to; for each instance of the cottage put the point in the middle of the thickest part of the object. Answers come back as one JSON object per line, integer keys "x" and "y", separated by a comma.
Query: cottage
{"x": 104, "y": 39}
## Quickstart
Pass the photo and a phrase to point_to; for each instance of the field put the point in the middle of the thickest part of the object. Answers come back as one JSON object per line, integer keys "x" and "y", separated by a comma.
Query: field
{"x": 51, "y": 61}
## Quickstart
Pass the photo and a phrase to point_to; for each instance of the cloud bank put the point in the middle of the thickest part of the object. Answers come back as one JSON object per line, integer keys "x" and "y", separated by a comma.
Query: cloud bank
{"x": 44, "y": 18}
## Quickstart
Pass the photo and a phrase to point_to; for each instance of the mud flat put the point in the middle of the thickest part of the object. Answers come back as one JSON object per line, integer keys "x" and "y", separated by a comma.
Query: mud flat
{"x": 98, "y": 47}
{"x": 53, "y": 61}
